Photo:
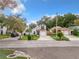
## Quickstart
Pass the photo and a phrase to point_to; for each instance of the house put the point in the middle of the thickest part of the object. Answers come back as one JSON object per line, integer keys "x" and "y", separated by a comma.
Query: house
{"x": 40, "y": 30}
{"x": 3, "y": 29}
{"x": 54, "y": 28}
{"x": 65, "y": 31}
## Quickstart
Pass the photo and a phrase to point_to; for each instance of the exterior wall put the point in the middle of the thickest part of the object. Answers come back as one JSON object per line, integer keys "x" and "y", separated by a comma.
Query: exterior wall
{"x": 39, "y": 28}
{"x": 4, "y": 30}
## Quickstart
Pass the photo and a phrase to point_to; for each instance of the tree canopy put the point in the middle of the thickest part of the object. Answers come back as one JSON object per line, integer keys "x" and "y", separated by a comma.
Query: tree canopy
{"x": 13, "y": 23}
{"x": 8, "y": 3}
{"x": 64, "y": 21}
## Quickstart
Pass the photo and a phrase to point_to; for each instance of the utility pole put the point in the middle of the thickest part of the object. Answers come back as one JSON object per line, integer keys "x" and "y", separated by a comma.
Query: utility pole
{"x": 56, "y": 23}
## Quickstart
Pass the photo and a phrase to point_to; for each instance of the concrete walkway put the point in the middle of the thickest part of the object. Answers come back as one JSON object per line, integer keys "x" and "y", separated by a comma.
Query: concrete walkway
{"x": 72, "y": 38}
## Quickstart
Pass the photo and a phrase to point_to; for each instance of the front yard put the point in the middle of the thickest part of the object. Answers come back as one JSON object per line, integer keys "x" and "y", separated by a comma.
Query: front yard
{"x": 29, "y": 37}
{"x": 4, "y": 53}
{"x": 4, "y": 36}
{"x": 75, "y": 32}
{"x": 57, "y": 38}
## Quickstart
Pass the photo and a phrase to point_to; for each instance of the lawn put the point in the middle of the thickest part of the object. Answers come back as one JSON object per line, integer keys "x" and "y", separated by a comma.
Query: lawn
{"x": 4, "y": 36}
{"x": 29, "y": 37}
{"x": 75, "y": 32}
{"x": 59, "y": 37}
{"x": 4, "y": 53}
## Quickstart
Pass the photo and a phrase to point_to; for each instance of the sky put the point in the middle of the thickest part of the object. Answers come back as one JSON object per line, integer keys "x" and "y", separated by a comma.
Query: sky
{"x": 33, "y": 10}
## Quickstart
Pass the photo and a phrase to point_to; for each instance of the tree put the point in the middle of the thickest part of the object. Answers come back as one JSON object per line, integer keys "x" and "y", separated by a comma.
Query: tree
{"x": 47, "y": 21}
{"x": 8, "y": 3}
{"x": 76, "y": 22}
{"x": 12, "y": 22}
{"x": 69, "y": 19}
{"x": 32, "y": 25}
{"x": 16, "y": 23}
{"x": 63, "y": 21}
{"x": 3, "y": 20}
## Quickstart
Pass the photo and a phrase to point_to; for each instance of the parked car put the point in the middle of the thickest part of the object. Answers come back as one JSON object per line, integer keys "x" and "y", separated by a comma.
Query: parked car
{"x": 14, "y": 34}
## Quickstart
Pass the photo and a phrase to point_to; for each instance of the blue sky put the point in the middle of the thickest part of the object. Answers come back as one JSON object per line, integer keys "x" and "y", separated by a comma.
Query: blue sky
{"x": 35, "y": 9}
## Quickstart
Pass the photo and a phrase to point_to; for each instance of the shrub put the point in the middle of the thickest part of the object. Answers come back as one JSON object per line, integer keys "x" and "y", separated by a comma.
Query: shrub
{"x": 60, "y": 35}
{"x": 29, "y": 37}
{"x": 75, "y": 32}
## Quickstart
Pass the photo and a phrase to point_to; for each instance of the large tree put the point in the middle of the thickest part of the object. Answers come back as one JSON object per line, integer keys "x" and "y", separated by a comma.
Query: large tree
{"x": 69, "y": 19}
{"x": 76, "y": 22}
{"x": 32, "y": 25}
{"x": 12, "y": 22}
{"x": 16, "y": 23}
{"x": 8, "y": 3}
{"x": 63, "y": 21}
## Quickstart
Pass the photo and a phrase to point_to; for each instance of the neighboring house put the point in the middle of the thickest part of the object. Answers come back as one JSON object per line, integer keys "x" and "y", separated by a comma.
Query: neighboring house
{"x": 65, "y": 31}
{"x": 3, "y": 29}
{"x": 54, "y": 28}
{"x": 40, "y": 30}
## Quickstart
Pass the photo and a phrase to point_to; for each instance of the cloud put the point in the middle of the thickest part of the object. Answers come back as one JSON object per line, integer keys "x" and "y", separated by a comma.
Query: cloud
{"x": 35, "y": 22}
{"x": 52, "y": 16}
{"x": 19, "y": 8}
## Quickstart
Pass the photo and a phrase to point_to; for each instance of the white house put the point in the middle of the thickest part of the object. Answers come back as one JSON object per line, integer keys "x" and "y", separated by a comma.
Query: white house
{"x": 3, "y": 30}
{"x": 40, "y": 30}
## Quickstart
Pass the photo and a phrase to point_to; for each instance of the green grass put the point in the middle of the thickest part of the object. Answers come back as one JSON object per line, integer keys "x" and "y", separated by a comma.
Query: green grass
{"x": 4, "y": 36}
{"x": 77, "y": 34}
{"x": 58, "y": 38}
{"x": 33, "y": 37}
{"x": 4, "y": 53}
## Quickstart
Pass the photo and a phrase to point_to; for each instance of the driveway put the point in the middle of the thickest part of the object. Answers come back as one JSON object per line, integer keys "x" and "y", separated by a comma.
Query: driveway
{"x": 71, "y": 37}
{"x": 45, "y": 38}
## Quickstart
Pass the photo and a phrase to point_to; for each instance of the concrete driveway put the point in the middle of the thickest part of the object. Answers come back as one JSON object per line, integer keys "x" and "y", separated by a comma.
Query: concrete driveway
{"x": 72, "y": 38}
{"x": 46, "y": 38}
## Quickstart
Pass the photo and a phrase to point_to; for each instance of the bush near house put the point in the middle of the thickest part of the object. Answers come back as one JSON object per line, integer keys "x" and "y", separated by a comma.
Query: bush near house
{"x": 29, "y": 37}
{"x": 59, "y": 37}
{"x": 75, "y": 32}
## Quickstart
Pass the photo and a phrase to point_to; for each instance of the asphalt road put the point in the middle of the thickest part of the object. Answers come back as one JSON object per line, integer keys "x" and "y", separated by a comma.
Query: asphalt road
{"x": 47, "y": 49}
{"x": 52, "y": 52}
{"x": 38, "y": 43}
